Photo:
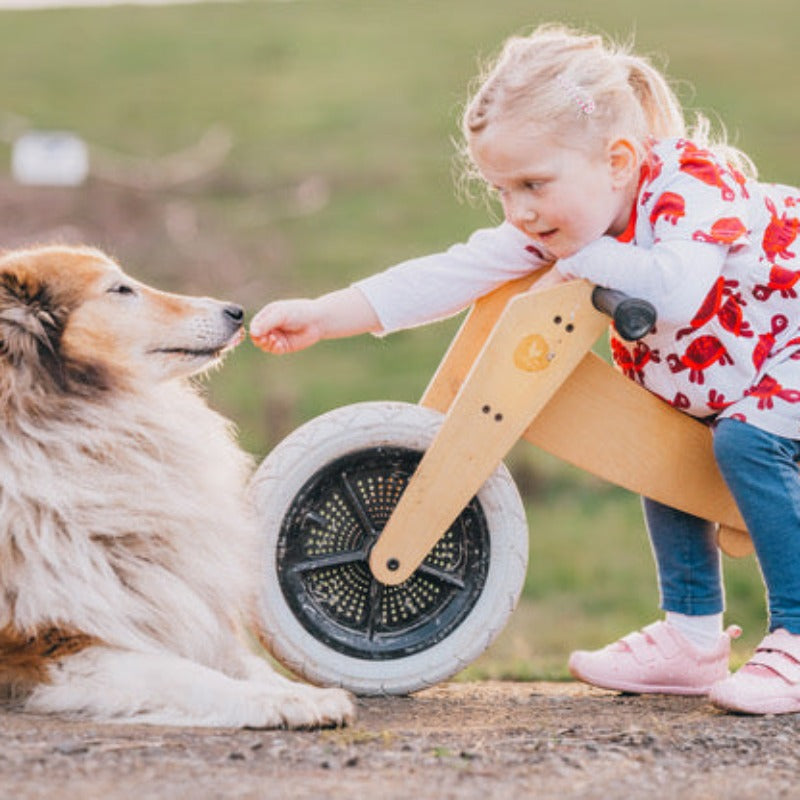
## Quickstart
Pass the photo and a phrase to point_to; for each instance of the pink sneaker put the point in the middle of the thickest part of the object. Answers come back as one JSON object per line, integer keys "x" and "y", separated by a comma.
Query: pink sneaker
{"x": 656, "y": 660}
{"x": 769, "y": 683}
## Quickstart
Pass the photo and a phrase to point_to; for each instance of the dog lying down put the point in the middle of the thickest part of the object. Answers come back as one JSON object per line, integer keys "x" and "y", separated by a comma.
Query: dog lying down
{"x": 127, "y": 549}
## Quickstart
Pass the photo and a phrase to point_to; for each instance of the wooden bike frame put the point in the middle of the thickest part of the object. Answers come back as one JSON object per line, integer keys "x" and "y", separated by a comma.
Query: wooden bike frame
{"x": 521, "y": 366}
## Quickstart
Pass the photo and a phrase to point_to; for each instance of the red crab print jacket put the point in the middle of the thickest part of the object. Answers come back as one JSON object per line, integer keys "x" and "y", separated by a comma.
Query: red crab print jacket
{"x": 718, "y": 256}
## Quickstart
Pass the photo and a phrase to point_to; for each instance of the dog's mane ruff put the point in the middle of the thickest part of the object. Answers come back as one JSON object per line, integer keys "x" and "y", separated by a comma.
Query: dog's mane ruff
{"x": 101, "y": 499}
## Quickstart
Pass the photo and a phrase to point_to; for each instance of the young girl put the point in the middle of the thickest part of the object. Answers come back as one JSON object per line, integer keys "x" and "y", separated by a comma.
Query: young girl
{"x": 587, "y": 147}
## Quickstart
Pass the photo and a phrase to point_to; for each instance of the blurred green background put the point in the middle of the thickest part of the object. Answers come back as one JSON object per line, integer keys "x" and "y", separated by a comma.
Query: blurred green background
{"x": 342, "y": 114}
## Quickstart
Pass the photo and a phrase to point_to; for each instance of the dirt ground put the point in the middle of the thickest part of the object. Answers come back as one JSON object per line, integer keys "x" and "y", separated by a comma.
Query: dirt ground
{"x": 460, "y": 740}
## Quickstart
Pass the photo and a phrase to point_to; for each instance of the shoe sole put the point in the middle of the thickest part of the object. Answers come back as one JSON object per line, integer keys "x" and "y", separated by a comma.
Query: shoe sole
{"x": 638, "y": 688}
{"x": 777, "y": 705}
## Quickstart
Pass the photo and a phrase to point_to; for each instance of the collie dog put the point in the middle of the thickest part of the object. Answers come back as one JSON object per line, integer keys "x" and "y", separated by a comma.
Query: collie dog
{"x": 127, "y": 545}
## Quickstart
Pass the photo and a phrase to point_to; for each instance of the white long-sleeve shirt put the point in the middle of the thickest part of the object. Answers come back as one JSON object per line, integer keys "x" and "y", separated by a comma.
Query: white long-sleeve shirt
{"x": 436, "y": 286}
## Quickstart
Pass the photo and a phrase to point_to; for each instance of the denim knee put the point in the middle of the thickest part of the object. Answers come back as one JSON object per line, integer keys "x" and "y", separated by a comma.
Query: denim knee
{"x": 731, "y": 438}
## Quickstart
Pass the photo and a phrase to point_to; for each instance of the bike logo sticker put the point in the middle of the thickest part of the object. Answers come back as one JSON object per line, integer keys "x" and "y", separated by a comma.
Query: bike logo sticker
{"x": 533, "y": 353}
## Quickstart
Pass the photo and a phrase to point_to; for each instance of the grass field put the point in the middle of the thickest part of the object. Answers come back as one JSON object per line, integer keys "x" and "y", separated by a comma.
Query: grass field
{"x": 356, "y": 101}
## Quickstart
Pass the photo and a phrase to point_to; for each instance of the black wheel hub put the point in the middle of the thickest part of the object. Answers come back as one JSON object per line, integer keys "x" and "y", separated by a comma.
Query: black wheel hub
{"x": 323, "y": 551}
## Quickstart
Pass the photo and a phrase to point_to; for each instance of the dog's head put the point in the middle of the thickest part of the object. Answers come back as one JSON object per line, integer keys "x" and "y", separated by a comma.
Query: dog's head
{"x": 75, "y": 321}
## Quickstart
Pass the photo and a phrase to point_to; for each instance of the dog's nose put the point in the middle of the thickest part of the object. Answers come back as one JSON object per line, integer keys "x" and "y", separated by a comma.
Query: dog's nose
{"x": 234, "y": 313}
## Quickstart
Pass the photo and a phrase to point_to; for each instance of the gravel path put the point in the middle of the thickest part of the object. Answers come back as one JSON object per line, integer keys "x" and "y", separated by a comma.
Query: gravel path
{"x": 474, "y": 741}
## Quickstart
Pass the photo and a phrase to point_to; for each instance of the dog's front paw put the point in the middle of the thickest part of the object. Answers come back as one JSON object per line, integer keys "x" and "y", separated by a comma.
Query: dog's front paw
{"x": 305, "y": 707}
{"x": 301, "y": 705}
{"x": 336, "y": 706}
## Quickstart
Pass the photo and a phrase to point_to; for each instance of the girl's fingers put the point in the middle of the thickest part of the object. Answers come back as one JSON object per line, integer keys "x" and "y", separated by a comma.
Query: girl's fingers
{"x": 269, "y": 342}
{"x": 259, "y": 327}
{"x": 266, "y": 320}
{"x": 278, "y": 343}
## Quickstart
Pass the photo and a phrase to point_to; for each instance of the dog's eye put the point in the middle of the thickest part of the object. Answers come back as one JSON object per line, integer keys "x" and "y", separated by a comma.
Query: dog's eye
{"x": 122, "y": 288}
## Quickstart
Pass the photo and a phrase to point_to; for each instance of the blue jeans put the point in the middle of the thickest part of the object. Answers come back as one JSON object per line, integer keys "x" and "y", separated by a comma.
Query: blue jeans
{"x": 761, "y": 471}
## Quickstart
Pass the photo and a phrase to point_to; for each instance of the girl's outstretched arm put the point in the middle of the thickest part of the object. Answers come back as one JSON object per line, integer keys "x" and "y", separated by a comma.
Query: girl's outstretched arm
{"x": 287, "y": 326}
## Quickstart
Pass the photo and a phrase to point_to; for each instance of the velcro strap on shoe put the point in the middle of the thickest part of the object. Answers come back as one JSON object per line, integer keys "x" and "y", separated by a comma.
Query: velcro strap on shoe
{"x": 654, "y": 640}
{"x": 782, "y": 642}
{"x": 639, "y": 646}
{"x": 779, "y": 663}
{"x": 665, "y": 637}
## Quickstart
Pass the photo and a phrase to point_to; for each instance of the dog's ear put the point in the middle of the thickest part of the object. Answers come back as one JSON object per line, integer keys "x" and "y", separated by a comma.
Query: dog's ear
{"x": 31, "y": 323}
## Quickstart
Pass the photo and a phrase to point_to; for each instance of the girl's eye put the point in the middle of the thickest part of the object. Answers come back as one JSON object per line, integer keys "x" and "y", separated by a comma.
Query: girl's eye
{"x": 122, "y": 288}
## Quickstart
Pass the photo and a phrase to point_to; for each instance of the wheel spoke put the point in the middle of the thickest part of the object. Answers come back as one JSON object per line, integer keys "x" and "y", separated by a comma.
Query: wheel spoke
{"x": 315, "y": 518}
{"x": 358, "y": 507}
{"x": 329, "y": 560}
{"x": 440, "y": 575}
{"x": 375, "y": 597}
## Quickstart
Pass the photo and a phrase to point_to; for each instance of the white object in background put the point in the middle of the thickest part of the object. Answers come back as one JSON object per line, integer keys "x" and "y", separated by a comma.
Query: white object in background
{"x": 50, "y": 158}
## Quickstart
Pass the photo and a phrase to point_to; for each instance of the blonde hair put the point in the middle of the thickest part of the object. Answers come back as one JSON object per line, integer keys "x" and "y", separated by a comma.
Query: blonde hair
{"x": 586, "y": 92}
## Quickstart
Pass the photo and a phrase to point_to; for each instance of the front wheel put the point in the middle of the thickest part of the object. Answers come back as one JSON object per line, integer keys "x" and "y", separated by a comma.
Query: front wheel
{"x": 322, "y": 498}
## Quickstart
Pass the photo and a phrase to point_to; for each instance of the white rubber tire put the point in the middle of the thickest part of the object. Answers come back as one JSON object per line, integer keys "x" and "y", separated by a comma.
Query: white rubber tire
{"x": 273, "y": 489}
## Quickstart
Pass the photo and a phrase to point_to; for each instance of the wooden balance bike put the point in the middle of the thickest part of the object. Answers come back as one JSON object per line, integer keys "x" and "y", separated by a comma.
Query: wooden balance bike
{"x": 394, "y": 540}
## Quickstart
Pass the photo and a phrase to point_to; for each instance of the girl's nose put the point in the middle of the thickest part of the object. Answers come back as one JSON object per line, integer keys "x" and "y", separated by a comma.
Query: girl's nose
{"x": 522, "y": 212}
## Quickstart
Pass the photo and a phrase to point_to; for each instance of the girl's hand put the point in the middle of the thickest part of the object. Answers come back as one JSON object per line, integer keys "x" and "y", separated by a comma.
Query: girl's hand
{"x": 286, "y": 326}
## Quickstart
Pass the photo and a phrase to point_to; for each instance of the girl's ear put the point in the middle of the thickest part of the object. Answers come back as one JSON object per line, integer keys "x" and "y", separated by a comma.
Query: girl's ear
{"x": 623, "y": 160}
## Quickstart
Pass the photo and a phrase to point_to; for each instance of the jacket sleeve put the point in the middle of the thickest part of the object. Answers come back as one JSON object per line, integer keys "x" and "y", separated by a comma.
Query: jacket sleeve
{"x": 675, "y": 276}
{"x": 436, "y": 286}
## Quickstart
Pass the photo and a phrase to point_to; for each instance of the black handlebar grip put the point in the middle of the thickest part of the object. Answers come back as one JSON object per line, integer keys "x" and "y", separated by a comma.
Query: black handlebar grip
{"x": 633, "y": 317}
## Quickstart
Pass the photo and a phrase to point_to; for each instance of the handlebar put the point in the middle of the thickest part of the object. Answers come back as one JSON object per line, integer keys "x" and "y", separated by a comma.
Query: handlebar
{"x": 633, "y": 317}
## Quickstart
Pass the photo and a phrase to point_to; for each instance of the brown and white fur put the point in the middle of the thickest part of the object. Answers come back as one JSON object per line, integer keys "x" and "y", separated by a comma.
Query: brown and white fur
{"x": 127, "y": 549}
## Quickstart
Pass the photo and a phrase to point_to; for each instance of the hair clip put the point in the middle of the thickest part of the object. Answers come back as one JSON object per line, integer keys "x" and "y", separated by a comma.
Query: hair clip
{"x": 584, "y": 101}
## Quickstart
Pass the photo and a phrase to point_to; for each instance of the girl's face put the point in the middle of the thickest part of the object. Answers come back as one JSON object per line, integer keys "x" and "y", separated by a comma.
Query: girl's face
{"x": 562, "y": 197}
